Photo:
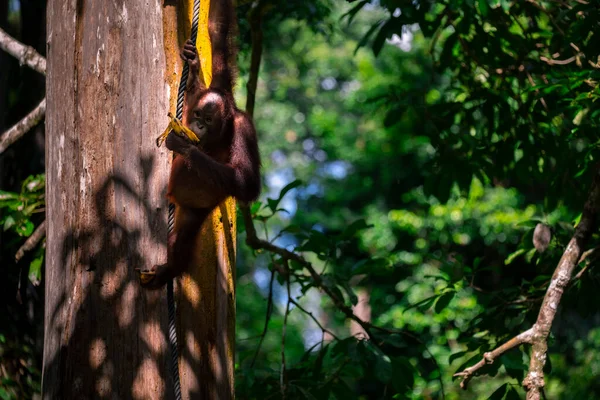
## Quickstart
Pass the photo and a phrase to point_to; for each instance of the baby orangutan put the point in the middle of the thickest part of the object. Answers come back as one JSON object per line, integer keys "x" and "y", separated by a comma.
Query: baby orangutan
{"x": 224, "y": 163}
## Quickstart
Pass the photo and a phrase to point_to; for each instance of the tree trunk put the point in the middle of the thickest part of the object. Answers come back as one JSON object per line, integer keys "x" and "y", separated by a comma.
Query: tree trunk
{"x": 4, "y": 69}
{"x": 105, "y": 337}
{"x": 113, "y": 71}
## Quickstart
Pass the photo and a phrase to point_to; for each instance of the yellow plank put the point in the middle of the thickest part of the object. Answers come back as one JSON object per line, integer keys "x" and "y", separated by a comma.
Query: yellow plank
{"x": 203, "y": 42}
{"x": 205, "y": 293}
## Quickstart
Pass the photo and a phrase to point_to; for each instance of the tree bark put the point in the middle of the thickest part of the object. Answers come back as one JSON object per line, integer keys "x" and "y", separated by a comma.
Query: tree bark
{"x": 113, "y": 72}
{"x": 4, "y": 69}
{"x": 107, "y": 96}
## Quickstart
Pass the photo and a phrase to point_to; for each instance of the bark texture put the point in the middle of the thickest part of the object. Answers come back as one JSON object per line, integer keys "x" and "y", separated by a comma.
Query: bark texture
{"x": 105, "y": 337}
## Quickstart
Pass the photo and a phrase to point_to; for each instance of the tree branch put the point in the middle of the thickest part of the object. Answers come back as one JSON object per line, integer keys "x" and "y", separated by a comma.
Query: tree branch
{"x": 254, "y": 242}
{"x": 558, "y": 62}
{"x": 25, "y": 54}
{"x": 538, "y": 334}
{"x": 311, "y": 315}
{"x": 255, "y": 18}
{"x": 31, "y": 241}
{"x": 534, "y": 381}
{"x": 590, "y": 256}
{"x": 490, "y": 357}
{"x": 252, "y": 239}
{"x": 267, "y": 319}
{"x": 23, "y": 126}
{"x": 283, "y": 375}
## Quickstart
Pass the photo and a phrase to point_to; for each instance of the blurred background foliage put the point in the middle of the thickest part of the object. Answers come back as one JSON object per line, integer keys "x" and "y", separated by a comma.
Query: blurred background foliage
{"x": 409, "y": 149}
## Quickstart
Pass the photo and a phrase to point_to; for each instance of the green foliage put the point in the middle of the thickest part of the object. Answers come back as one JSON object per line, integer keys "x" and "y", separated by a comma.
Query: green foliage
{"x": 17, "y": 212}
{"x": 18, "y": 208}
{"x": 410, "y": 176}
{"x": 450, "y": 154}
{"x": 519, "y": 83}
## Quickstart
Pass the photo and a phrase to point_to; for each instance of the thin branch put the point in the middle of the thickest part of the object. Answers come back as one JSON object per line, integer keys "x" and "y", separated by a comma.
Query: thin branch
{"x": 311, "y": 315}
{"x": 537, "y": 91}
{"x": 255, "y": 17}
{"x": 25, "y": 54}
{"x": 251, "y": 238}
{"x": 32, "y": 241}
{"x": 538, "y": 334}
{"x": 267, "y": 319}
{"x": 255, "y": 243}
{"x": 548, "y": 14}
{"x": 558, "y": 62}
{"x": 23, "y": 126}
{"x": 490, "y": 357}
{"x": 283, "y": 375}
{"x": 588, "y": 257}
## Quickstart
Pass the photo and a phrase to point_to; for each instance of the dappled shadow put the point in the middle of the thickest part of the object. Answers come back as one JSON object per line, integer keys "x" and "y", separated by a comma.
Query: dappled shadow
{"x": 106, "y": 337}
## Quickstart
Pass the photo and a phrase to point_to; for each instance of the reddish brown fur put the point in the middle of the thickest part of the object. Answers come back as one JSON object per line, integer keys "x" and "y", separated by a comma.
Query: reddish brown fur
{"x": 226, "y": 163}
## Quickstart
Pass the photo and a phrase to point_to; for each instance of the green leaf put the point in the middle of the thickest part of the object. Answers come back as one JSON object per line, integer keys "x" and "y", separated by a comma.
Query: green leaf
{"x": 403, "y": 374}
{"x": 273, "y": 203}
{"x": 499, "y": 393}
{"x": 511, "y": 257}
{"x": 368, "y": 35}
{"x": 455, "y": 356}
{"x": 7, "y": 196}
{"x": 35, "y": 268}
{"x": 353, "y": 228}
{"x": 513, "y": 360}
{"x": 383, "y": 368}
{"x": 255, "y": 207}
{"x": 379, "y": 40}
{"x": 371, "y": 266}
{"x": 9, "y": 222}
{"x": 306, "y": 393}
{"x": 443, "y": 301}
{"x": 354, "y": 10}
{"x": 349, "y": 291}
{"x": 317, "y": 243}
{"x": 471, "y": 361}
{"x": 484, "y": 8}
{"x": 423, "y": 304}
{"x": 512, "y": 394}
{"x": 26, "y": 228}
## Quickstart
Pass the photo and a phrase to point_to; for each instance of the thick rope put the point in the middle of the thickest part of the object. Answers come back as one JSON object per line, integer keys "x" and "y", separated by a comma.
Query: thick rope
{"x": 171, "y": 222}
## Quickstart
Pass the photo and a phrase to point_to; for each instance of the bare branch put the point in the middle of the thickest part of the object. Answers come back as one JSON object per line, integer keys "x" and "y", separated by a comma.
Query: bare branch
{"x": 532, "y": 82}
{"x": 558, "y": 62}
{"x": 255, "y": 17}
{"x": 254, "y": 242}
{"x": 32, "y": 241}
{"x": 251, "y": 238}
{"x": 267, "y": 319}
{"x": 490, "y": 357}
{"x": 538, "y": 334}
{"x": 23, "y": 126}
{"x": 25, "y": 54}
{"x": 550, "y": 17}
{"x": 283, "y": 375}
{"x": 534, "y": 381}
{"x": 310, "y": 314}
{"x": 589, "y": 257}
